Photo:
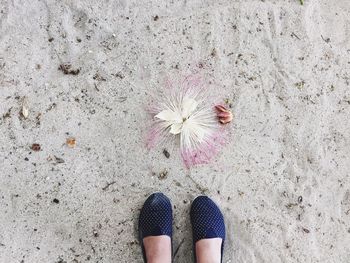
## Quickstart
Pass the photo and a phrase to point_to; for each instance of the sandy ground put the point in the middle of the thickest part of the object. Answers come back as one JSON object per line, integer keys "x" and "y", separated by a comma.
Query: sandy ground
{"x": 282, "y": 181}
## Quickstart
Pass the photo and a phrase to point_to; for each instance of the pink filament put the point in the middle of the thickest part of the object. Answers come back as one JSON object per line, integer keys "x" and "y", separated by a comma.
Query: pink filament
{"x": 205, "y": 151}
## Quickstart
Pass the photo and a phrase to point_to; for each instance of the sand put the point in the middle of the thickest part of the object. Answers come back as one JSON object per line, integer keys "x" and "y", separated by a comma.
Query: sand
{"x": 282, "y": 180}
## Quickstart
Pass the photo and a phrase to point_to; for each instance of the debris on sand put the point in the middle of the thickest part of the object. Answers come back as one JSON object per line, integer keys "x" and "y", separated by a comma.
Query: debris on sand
{"x": 67, "y": 69}
{"x": 36, "y": 147}
{"x": 307, "y": 231}
{"x": 25, "y": 108}
{"x": 166, "y": 153}
{"x": 71, "y": 142}
{"x": 108, "y": 185}
{"x": 300, "y": 85}
{"x": 7, "y": 114}
{"x": 59, "y": 160}
{"x": 163, "y": 175}
{"x": 98, "y": 77}
{"x": 56, "y": 159}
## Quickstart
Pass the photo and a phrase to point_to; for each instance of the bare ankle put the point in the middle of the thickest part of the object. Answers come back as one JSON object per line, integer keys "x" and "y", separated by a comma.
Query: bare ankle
{"x": 158, "y": 249}
{"x": 209, "y": 250}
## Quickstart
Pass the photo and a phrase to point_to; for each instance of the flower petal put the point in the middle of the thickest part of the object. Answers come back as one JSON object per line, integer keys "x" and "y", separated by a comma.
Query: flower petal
{"x": 176, "y": 128}
{"x": 168, "y": 115}
{"x": 193, "y": 131}
{"x": 188, "y": 106}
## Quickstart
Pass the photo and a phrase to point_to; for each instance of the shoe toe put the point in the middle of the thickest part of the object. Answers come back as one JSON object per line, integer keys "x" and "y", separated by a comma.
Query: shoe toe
{"x": 207, "y": 219}
{"x": 156, "y": 216}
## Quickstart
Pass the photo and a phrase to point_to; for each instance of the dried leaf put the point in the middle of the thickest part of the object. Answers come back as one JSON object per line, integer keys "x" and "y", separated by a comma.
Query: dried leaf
{"x": 36, "y": 147}
{"x": 25, "y": 108}
{"x": 71, "y": 142}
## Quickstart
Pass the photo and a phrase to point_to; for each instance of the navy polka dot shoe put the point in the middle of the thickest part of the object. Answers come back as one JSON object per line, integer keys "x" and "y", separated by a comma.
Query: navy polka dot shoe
{"x": 207, "y": 222}
{"x": 155, "y": 218}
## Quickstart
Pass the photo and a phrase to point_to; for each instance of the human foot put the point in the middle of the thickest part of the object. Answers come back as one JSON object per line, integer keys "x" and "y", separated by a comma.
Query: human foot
{"x": 155, "y": 229}
{"x": 158, "y": 249}
{"x": 208, "y": 230}
{"x": 208, "y": 250}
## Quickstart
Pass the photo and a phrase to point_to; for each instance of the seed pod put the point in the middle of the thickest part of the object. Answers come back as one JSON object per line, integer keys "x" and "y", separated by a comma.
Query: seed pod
{"x": 224, "y": 115}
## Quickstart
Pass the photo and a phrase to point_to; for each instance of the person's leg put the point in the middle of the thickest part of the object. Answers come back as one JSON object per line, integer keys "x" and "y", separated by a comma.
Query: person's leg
{"x": 208, "y": 230}
{"x": 158, "y": 249}
{"x": 209, "y": 250}
{"x": 155, "y": 229}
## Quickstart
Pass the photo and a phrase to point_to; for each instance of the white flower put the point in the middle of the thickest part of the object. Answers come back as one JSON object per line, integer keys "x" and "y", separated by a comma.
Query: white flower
{"x": 186, "y": 113}
{"x": 183, "y": 120}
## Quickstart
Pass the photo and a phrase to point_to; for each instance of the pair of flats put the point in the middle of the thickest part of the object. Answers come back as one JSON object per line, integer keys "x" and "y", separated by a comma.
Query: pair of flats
{"x": 156, "y": 219}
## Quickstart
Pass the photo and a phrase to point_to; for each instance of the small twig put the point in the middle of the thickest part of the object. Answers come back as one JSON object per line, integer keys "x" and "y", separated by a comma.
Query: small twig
{"x": 327, "y": 40}
{"x": 108, "y": 185}
{"x": 178, "y": 247}
{"x": 93, "y": 249}
{"x": 96, "y": 87}
{"x": 58, "y": 159}
{"x": 121, "y": 99}
{"x": 293, "y": 34}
